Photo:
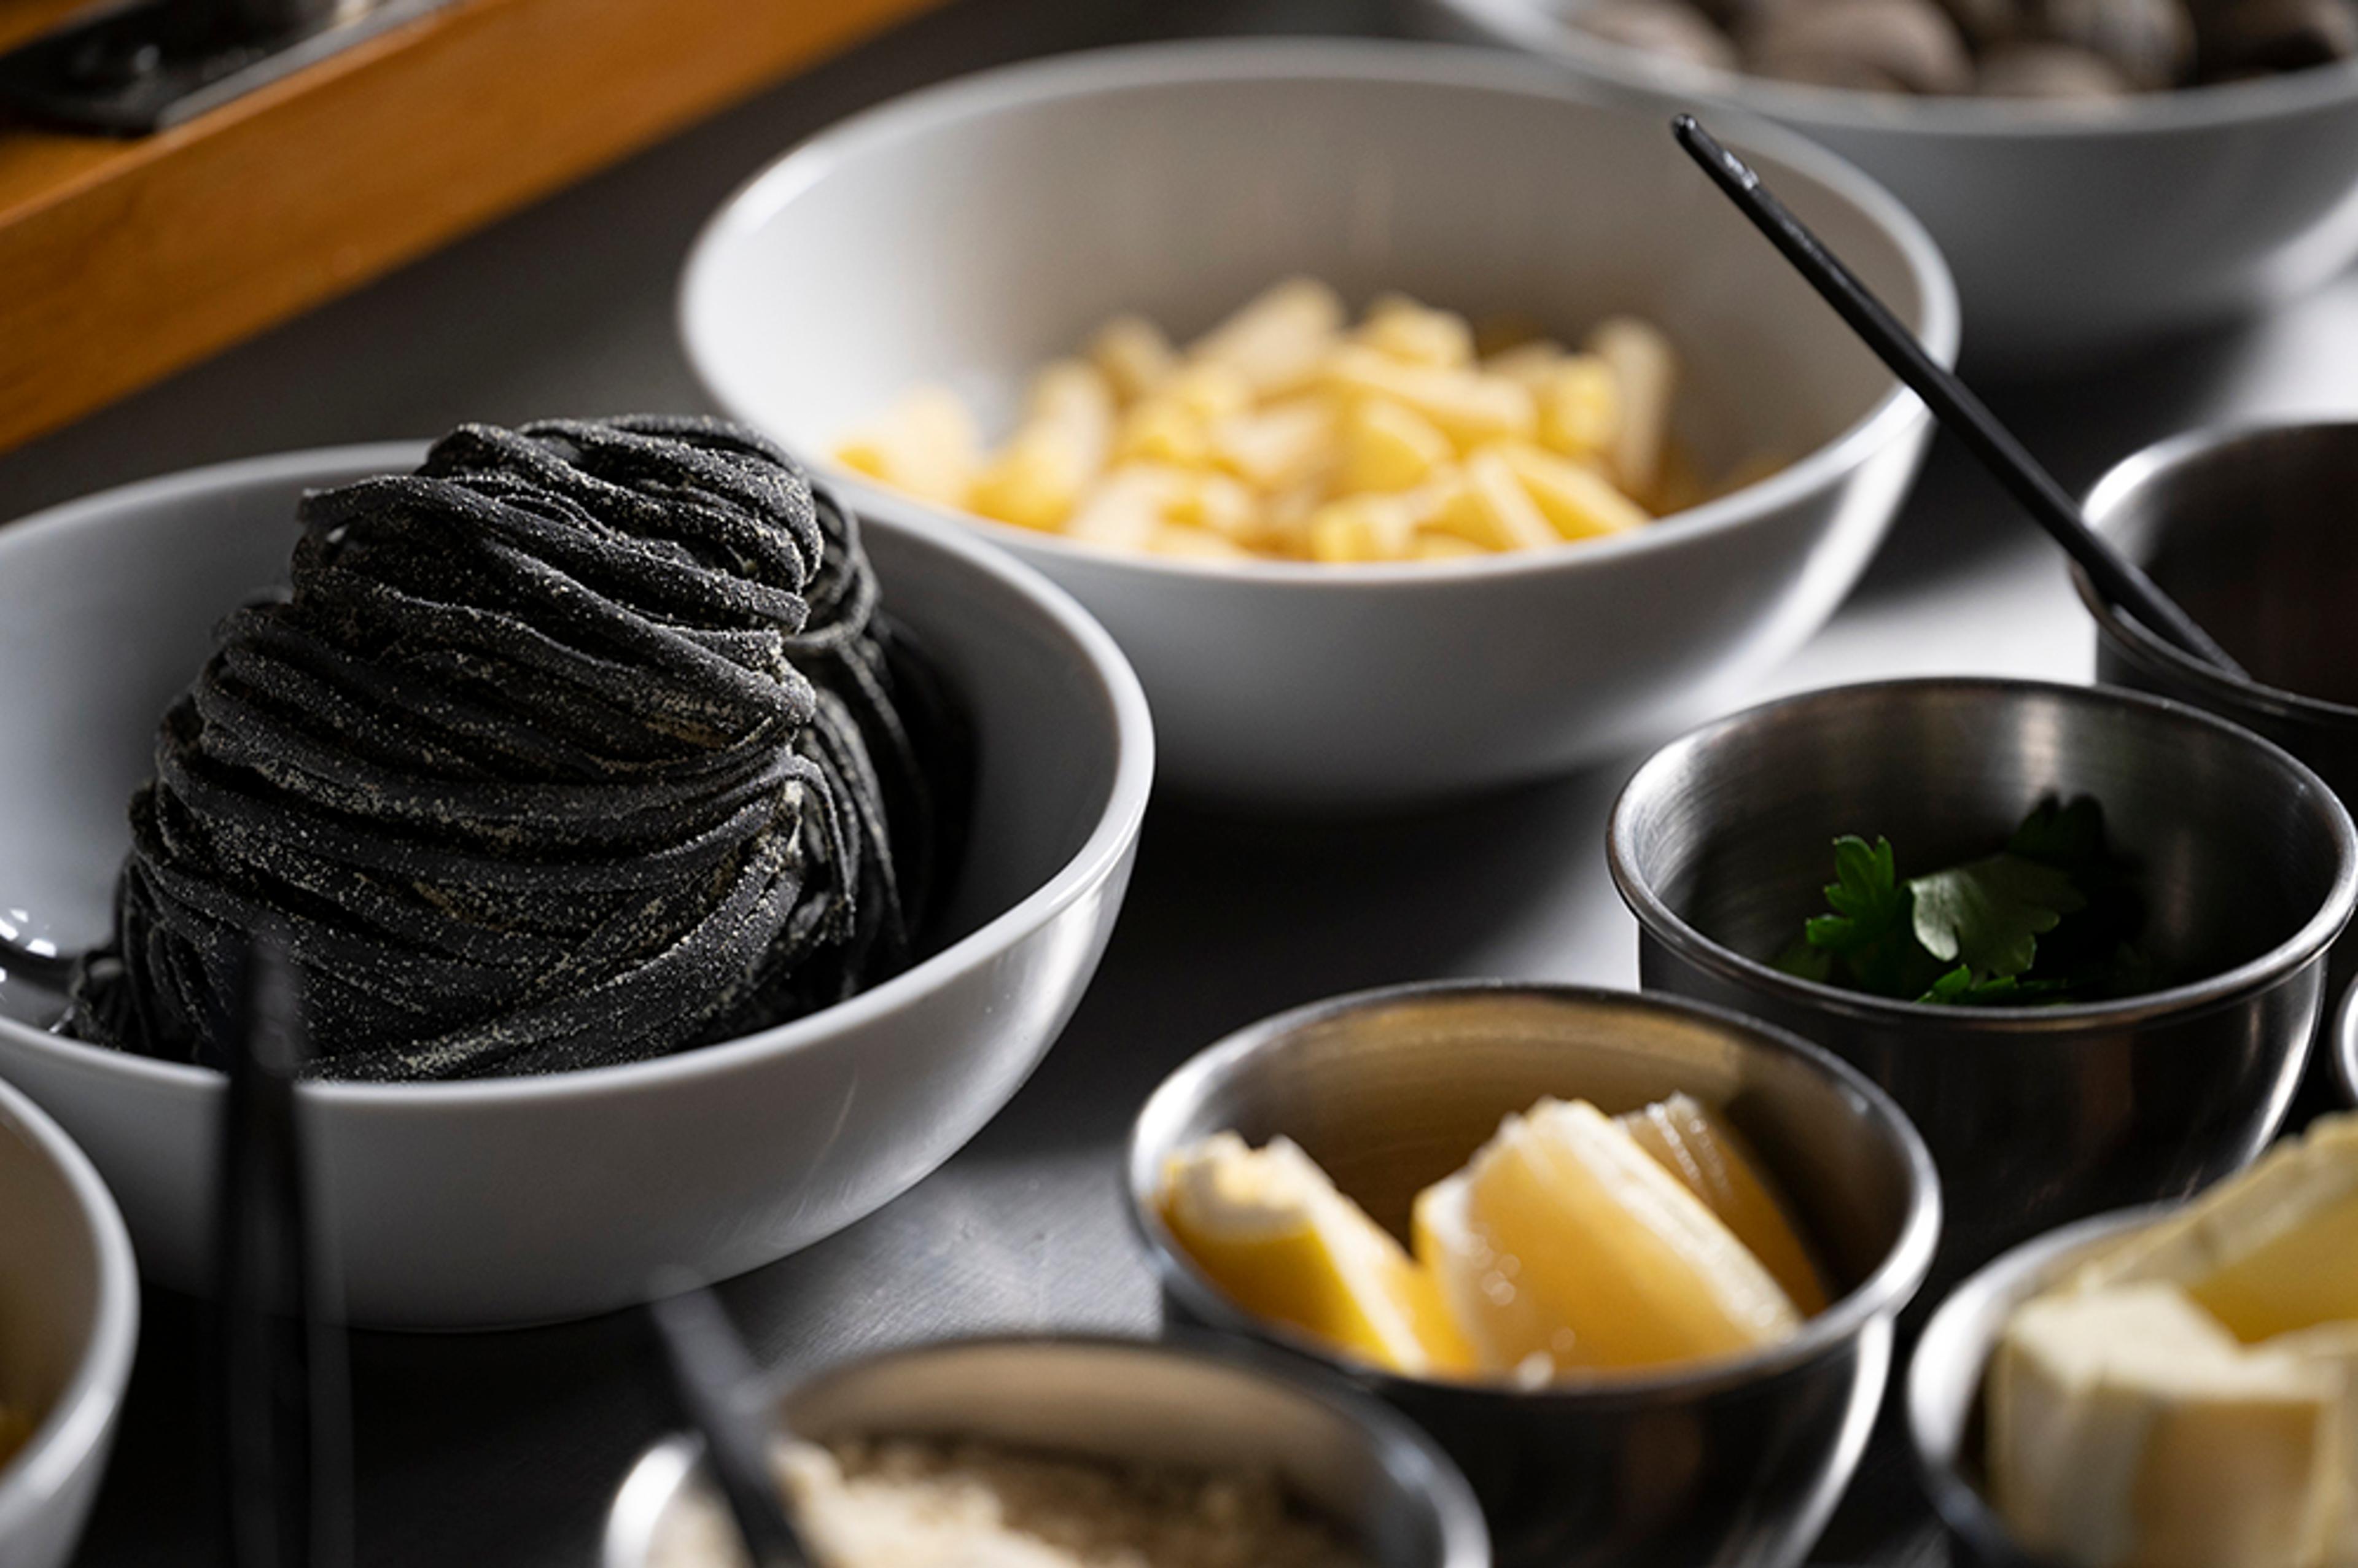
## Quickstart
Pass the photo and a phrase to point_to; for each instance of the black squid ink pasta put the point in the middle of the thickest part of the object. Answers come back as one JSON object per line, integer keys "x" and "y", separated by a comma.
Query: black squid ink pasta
{"x": 584, "y": 743}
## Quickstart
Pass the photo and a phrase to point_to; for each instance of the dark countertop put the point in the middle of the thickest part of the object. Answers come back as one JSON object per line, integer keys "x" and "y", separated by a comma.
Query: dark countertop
{"x": 504, "y": 1448}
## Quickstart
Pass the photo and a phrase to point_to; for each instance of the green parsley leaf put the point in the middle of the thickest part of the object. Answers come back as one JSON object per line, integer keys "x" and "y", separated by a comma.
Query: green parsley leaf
{"x": 1991, "y": 912}
{"x": 2054, "y": 914}
{"x": 1868, "y": 933}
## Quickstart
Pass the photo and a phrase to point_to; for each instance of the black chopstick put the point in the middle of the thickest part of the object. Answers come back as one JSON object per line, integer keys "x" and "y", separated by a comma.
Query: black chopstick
{"x": 2116, "y": 578}
{"x": 722, "y": 1394}
{"x": 280, "y": 1356}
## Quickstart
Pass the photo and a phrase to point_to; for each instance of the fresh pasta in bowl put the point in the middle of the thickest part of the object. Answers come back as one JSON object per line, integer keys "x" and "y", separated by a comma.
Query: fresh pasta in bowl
{"x": 1416, "y": 424}
{"x": 1288, "y": 433}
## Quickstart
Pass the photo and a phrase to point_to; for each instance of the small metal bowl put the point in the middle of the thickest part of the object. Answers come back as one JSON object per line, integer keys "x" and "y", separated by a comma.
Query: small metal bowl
{"x": 1722, "y": 842}
{"x": 1944, "y": 1381}
{"x": 1734, "y": 1460}
{"x": 2248, "y": 528}
{"x": 1377, "y": 1479}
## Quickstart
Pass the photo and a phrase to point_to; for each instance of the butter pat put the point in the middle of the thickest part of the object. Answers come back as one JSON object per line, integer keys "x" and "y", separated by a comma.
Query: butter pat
{"x": 2128, "y": 1427}
{"x": 2267, "y": 1253}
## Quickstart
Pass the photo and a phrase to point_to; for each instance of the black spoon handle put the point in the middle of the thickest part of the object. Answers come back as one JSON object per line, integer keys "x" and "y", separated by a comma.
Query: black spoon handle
{"x": 282, "y": 1406}
{"x": 721, "y": 1391}
{"x": 2116, "y": 578}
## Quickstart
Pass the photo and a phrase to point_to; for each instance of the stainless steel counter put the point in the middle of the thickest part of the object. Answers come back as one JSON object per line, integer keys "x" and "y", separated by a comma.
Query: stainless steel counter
{"x": 502, "y": 1449}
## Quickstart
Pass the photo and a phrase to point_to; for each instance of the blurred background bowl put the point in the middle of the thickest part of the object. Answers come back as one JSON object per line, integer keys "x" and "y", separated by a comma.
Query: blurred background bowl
{"x": 968, "y": 233}
{"x": 1722, "y": 843}
{"x": 1738, "y": 1459}
{"x": 2345, "y": 1044}
{"x": 2075, "y": 230}
{"x": 1944, "y": 1382}
{"x": 508, "y": 1200}
{"x": 68, "y": 1324}
{"x": 2249, "y": 527}
{"x": 1380, "y": 1481}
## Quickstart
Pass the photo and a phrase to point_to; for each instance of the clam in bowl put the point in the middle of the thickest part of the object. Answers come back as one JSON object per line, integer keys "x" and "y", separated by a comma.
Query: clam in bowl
{"x": 1737, "y": 1458}
{"x": 2079, "y": 231}
{"x": 501, "y": 1200}
{"x": 1375, "y": 1479}
{"x": 1722, "y": 844}
{"x": 969, "y": 233}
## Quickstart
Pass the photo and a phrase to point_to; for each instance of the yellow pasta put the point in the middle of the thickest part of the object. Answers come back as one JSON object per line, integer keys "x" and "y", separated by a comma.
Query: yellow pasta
{"x": 1287, "y": 432}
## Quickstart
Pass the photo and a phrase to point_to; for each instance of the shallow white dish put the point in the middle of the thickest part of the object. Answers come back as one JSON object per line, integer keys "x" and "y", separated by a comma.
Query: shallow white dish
{"x": 971, "y": 232}
{"x": 2076, "y": 230}
{"x": 506, "y": 1201}
{"x": 68, "y": 1324}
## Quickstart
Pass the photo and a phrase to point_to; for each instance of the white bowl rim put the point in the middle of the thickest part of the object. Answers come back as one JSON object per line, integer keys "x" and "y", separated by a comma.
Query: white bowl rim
{"x": 83, "y": 1414}
{"x": 1111, "y": 71}
{"x": 2173, "y": 112}
{"x": 1115, "y": 832}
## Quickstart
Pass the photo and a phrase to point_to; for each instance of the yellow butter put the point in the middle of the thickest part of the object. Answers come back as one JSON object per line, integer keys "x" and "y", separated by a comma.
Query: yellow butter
{"x": 2266, "y": 1252}
{"x": 2127, "y": 1429}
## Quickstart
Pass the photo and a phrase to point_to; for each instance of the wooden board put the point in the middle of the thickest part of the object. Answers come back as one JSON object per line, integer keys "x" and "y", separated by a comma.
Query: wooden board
{"x": 122, "y": 261}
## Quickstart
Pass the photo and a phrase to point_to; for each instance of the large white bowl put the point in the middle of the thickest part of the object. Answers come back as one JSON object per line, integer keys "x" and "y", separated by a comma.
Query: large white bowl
{"x": 512, "y": 1200}
{"x": 69, "y": 1323}
{"x": 2076, "y": 231}
{"x": 970, "y": 231}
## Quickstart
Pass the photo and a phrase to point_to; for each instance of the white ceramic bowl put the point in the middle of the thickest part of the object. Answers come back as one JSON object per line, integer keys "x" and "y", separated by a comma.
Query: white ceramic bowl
{"x": 2076, "y": 231}
{"x": 68, "y": 1323}
{"x": 505, "y": 1201}
{"x": 973, "y": 231}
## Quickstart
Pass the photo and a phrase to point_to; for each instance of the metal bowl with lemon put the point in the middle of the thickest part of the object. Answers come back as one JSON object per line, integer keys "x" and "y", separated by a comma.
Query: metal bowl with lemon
{"x": 1738, "y": 1456}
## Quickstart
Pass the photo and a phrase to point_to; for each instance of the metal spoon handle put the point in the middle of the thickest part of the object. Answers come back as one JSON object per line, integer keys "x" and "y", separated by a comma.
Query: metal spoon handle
{"x": 2116, "y": 576}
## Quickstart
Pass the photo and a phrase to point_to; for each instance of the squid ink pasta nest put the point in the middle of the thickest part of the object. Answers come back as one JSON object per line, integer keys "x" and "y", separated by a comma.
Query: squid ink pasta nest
{"x": 584, "y": 743}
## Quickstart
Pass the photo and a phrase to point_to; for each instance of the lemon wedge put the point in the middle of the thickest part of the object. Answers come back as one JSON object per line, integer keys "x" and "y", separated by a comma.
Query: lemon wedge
{"x": 1695, "y": 1144}
{"x": 1569, "y": 1241}
{"x": 1273, "y": 1233}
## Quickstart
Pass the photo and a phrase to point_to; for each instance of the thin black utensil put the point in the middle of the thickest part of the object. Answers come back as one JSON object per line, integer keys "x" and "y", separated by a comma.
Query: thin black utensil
{"x": 723, "y": 1394}
{"x": 2116, "y": 578}
{"x": 279, "y": 1359}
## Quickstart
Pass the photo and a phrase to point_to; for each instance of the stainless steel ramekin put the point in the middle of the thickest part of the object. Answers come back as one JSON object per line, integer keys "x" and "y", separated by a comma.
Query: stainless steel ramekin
{"x": 2249, "y": 527}
{"x": 1944, "y": 1382}
{"x": 1217, "y": 1407}
{"x": 2036, "y": 1116}
{"x": 1733, "y": 1461}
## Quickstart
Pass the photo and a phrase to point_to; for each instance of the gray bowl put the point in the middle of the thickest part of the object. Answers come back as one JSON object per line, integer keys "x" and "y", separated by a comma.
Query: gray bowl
{"x": 1732, "y": 1461}
{"x": 2247, "y": 527}
{"x": 2036, "y": 1115}
{"x": 69, "y": 1329}
{"x": 1378, "y": 1479}
{"x": 1944, "y": 1382}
